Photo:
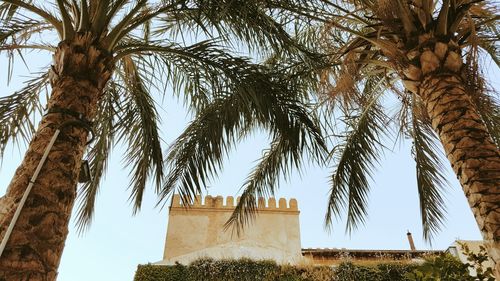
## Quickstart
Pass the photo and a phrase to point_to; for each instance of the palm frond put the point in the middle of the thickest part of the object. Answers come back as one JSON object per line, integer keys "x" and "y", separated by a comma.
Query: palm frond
{"x": 488, "y": 34}
{"x": 29, "y": 6}
{"x": 201, "y": 71}
{"x": 118, "y": 31}
{"x": 18, "y": 112}
{"x": 139, "y": 128}
{"x": 492, "y": 49}
{"x": 100, "y": 16}
{"x": 283, "y": 155}
{"x": 7, "y": 11}
{"x": 98, "y": 155}
{"x": 488, "y": 106}
{"x": 253, "y": 102}
{"x": 430, "y": 178}
{"x": 356, "y": 157}
{"x": 251, "y": 22}
{"x": 194, "y": 72}
{"x": 15, "y": 35}
{"x": 483, "y": 96}
{"x": 19, "y": 29}
{"x": 198, "y": 152}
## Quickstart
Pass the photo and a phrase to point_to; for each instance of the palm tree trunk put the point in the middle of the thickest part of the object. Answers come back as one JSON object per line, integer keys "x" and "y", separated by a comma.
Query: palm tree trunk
{"x": 34, "y": 249}
{"x": 467, "y": 143}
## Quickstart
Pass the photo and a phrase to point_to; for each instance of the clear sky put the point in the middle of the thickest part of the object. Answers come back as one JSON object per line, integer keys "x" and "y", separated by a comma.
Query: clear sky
{"x": 117, "y": 241}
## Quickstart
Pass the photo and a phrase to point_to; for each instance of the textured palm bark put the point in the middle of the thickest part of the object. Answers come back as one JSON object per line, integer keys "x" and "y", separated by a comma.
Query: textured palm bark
{"x": 439, "y": 80}
{"x": 33, "y": 252}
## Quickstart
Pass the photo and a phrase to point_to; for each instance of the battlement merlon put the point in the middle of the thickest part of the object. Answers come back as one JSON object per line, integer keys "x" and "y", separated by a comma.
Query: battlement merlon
{"x": 217, "y": 203}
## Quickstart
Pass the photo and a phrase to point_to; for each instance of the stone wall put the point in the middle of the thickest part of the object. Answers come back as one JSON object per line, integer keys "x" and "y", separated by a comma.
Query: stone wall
{"x": 197, "y": 230}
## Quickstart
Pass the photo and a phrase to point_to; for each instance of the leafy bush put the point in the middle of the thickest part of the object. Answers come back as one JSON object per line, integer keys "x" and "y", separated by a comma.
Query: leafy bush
{"x": 444, "y": 268}
{"x": 394, "y": 271}
{"x": 382, "y": 272}
{"x": 310, "y": 273}
{"x": 151, "y": 272}
{"x": 476, "y": 260}
{"x": 232, "y": 270}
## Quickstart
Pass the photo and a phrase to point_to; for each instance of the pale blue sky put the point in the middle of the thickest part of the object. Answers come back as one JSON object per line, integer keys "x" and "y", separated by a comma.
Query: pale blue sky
{"x": 117, "y": 241}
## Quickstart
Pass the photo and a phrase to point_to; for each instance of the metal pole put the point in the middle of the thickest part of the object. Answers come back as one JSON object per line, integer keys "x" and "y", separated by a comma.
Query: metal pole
{"x": 27, "y": 191}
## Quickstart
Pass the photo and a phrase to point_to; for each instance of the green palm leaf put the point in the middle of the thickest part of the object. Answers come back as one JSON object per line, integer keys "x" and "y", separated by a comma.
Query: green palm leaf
{"x": 356, "y": 157}
{"x": 98, "y": 155}
{"x": 140, "y": 130}
{"x": 17, "y": 112}
{"x": 198, "y": 153}
{"x": 431, "y": 181}
{"x": 282, "y": 156}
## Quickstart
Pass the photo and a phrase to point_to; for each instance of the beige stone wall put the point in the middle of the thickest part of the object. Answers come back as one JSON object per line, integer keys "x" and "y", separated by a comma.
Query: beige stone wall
{"x": 197, "y": 231}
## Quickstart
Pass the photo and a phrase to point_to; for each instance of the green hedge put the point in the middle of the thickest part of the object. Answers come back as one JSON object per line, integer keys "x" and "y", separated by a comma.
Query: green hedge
{"x": 443, "y": 267}
{"x": 248, "y": 270}
{"x": 382, "y": 272}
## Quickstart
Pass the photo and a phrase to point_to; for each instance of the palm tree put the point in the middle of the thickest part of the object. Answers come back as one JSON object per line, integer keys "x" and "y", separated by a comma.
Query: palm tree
{"x": 426, "y": 53}
{"x": 109, "y": 59}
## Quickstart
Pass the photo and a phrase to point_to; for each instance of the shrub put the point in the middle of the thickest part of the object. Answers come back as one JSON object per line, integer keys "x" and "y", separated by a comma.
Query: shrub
{"x": 232, "y": 270}
{"x": 394, "y": 271}
{"x": 476, "y": 260}
{"x": 445, "y": 268}
{"x": 151, "y": 272}
{"x": 305, "y": 273}
{"x": 382, "y": 272}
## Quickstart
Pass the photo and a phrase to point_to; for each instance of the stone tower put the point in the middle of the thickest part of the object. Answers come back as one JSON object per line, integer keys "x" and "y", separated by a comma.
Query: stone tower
{"x": 197, "y": 231}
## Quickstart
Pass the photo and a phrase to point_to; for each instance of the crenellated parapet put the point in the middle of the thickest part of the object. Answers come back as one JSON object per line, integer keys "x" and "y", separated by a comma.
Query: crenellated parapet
{"x": 197, "y": 228}
{"x": 228, "y": 203}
